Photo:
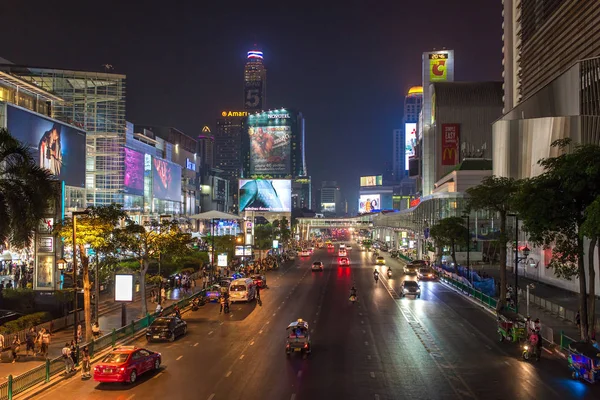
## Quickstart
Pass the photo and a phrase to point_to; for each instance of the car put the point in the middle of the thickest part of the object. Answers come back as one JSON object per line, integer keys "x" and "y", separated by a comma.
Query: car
{"x": 342, "y": 253}
{"x": 305, "y": 253}
{"x": 380, "y": 261}
{"x": 259, "y": 280}
{"x": 343, "y": 261}
{"x": 317, "y": 266}
{"x": 125, "y": 364}
{"x": 425, "y": 274}
{"x": 330, "y": 246}
{"x": 166, "y": 328}
{"x": 348, "y": 248}
{"x": 411, "y": 269}
{"x": 411, "y": 288}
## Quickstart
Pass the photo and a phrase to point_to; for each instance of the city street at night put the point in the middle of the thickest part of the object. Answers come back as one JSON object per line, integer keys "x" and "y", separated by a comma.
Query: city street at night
{"x": 440, "y": 346}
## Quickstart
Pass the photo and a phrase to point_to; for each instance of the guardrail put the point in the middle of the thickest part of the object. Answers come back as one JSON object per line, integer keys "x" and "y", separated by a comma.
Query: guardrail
{"x": 52, "y": 367}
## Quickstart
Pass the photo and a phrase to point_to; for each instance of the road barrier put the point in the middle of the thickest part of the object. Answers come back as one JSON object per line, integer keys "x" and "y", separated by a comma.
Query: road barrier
{"x": 43, "y": 373}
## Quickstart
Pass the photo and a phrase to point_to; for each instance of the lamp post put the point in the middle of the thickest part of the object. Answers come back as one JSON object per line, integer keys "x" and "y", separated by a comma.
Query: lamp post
{"x": 466, "y": 215}
{"x": 75, "y": 312}
{"x": 160, "y": 218}
{"x": 61, "y": 264}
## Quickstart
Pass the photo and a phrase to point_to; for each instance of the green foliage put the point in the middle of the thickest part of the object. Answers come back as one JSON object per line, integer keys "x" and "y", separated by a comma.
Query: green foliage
{"x": 64, "y": 296}
{"x": 25, "y": 190}
{"x": 281, "y": 229}
{"x": 25, "y": 322}
{"x": 591, "y": 226}
{"x": 450, "y": 232}
{"x": 263, "y": 236}
{"x": 21, "y": 300}
{"x": 224, "y": 244}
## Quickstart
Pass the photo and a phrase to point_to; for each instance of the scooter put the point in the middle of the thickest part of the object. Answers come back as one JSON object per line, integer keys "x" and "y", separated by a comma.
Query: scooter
{"x": 389, "y": 274}
{"x": 376, "y": 277}
{"x": 529, "y": 352}
{"x": 353, "y": 299}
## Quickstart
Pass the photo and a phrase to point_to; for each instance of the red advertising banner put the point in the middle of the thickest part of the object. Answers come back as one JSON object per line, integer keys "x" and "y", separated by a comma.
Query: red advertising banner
{"x": 450, "y": 139}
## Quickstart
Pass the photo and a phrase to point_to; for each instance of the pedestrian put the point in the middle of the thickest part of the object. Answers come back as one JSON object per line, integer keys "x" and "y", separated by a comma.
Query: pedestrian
{"x": 1, "y": 345}
{"x": 538, "y": 345}
{"x": 15, "y": 347}
{"x": 79, "y": 333}
{"x": 85, "y": 363}
{"x": 66, "y": 355}
{"x": 45, "y": 343}
{"x": 163, "y": 294}
{"x": 578, "y": 319}
{"x": 258, "y": 292}
{"x": 30, "y": 337}
{"x": 96, "y": 330}
{"x": 152, "y": 295}
{"x": 74, "y": 355}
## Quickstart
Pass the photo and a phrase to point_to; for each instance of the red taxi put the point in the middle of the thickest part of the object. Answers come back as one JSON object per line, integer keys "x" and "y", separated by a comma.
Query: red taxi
{"x": 125, "y": 364}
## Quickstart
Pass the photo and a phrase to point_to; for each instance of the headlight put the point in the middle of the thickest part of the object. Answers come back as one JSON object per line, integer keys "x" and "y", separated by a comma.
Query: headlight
{"x": 526, "y": 347}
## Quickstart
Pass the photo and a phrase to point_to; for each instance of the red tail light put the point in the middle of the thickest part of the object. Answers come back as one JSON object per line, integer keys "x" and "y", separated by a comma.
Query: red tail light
{"x": 306, "y": 345}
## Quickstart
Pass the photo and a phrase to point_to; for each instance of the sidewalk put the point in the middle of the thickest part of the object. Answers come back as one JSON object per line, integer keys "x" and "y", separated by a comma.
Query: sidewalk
{"x": 109, "y": 321}
{"x": 555, "y": 307}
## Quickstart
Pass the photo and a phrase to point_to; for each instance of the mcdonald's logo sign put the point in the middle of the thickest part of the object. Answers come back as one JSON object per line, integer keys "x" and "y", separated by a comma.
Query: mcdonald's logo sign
{"x": 450, "y": 141}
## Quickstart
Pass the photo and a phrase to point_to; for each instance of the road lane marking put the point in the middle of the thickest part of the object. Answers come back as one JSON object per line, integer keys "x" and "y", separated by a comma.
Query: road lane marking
{"x": 210, "y": 333}
{"x": 293, "y": 396}
{"x": 261, "y": 331}
{"x": 252, "y": 343}
{"x": 373, "y": 375}
{"x": 196, "y": 344}
{"x": 169, "y": 346}
{"x": 274, "y": 314}
{"x": 242, "y": 356}
{"x": 314, "y": 321}
{"x": 362, "y": 322}
{"x": 157, "y": 375}
{"x": 228, "y": 374}
{"x": 546, "y": 350}
{"x": 267, "y": 323}
{"x": 221, "y": 323}
{"x": 364, "y": 331}
{"x": 507, "y": 363}
{"x": 488, "y": 346}
{"x": 299, "y": 374}
{"x": 376, "y": 397}
{"x": 179, "y": 358}
{"x": 212, "y": 396}
{"x": 368, "y": 357}
{"x": 131, "y": 397}
{"x": 366, "y": 343}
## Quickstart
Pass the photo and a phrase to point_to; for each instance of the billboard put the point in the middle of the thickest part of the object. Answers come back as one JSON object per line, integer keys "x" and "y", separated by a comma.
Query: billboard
{"x": 450, "y": 139}
{"x": 328, "y": 207}
{"x": 410, "y": 141}
{"x": 368, "y": 203}
{"x": 58, "y": 147}
{"x": 166, "y": 180}
{"x": 375, "y": 180}
{"x": 438, "y": 63}
{"x": 133, "y": 180}
{"x": 270, "y": 195}
{"x": 270, "y": 148}
{"x": 123, "y": 287}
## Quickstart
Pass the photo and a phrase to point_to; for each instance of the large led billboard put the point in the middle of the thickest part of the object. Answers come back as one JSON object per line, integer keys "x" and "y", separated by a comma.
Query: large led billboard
{"x": 133, "y": 180}
{"x": 410, "y": 141}
{"x": 270, "y": 135}
{"x": 166, "y": 180}
{"x": 375, "y": 180}
{"x": 58, "y": 147}
{"x": 368, "y": 203}
{"x": 270, "y": 195}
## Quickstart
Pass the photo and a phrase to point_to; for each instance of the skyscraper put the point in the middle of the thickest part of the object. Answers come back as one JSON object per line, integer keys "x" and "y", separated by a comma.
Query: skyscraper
{"x": 405, "y": 138}
{"x": 255, "y": 82}
{"x": 228, "y": 145}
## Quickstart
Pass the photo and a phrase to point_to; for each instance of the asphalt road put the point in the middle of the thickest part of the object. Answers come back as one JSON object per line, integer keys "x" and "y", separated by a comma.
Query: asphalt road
{"x": 440, "y": 346}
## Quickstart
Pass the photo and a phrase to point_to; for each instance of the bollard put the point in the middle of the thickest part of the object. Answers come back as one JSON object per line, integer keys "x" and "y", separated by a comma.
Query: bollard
{"x": 47, "y": 370}
{"x": 10, "y": 387}
{"x": 114, "y": 338}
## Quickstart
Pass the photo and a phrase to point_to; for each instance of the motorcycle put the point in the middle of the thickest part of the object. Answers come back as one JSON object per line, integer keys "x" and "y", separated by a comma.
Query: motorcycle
{"x": 376, "y": 277}
{"x": 353, "y": 298}
{"x": 528, "y": 351}
{"x": 389, "y": 274}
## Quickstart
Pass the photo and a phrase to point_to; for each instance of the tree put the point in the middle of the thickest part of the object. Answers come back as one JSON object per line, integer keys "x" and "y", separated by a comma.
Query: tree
{"x": 591, "y": 229}
{"x": 450, "y": 232}
{"x": 552, "y": 207}
{"x": 263, "y": 236}
{"x": 25, "y": 189}
{"x": 146, "y": 243}
{"x": 496, "y": 195}
{"x": 94, "y": 229}
{"x": 285, "y": 231}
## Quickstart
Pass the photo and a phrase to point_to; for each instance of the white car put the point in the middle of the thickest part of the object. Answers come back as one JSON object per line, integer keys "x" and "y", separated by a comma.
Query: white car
{"x": 317, "y": 266}
{"x": 342, "y": 253}
{"x": 305, "y": 253}
{"x": 348, "y": 247}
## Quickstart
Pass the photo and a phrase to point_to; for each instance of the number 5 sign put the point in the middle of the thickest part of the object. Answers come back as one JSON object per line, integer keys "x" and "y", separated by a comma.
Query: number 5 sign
{"x": 253, "y": 96}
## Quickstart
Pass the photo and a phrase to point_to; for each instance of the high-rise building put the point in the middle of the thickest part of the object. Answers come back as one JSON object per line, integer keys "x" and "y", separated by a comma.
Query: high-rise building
{"x": 330, "y": 201}
{"x": 228, "y": 145}
{"x": 405, "y": 137}
{"x": 438, "y": 66}
{"x": 302, "y": 193}
{"x": 206, "y": 149}
{"x": 273, "y": 145}
{"x": 255, "y": 82}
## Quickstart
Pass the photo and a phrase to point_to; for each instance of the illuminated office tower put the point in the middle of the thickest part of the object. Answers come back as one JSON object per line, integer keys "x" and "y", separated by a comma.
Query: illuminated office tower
{"x": 255, "y": 82}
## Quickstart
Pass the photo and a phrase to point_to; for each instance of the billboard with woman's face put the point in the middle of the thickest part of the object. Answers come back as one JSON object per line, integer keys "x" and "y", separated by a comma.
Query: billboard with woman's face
{"x": 58, "y": 147}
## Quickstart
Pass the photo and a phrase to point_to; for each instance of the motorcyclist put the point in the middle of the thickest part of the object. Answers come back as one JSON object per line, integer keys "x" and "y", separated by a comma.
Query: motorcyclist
{"x": 389, "y": 272}
{"x": 353, "y": 291}
{"x": 376, "y": 275}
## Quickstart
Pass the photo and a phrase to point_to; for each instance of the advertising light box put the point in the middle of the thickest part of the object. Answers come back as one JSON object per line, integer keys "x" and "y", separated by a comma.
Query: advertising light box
{"x": 368, "y": 203}
{"x": 270, "y": 136}
{"x": 222, "y": 260}
{"x": 133, "y": 180}
{"x": 268, "y": 195}
{"x": 166, "y": 180}
{"x": 375, "y": 180}
{"x": 58, "y": 147}
{"x": 410, "y": 141}
{"x": 123, "y": 287}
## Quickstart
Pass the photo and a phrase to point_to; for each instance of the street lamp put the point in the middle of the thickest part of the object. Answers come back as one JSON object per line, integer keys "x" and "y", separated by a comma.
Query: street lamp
{"x": 75, "y": 312}
{"x": 61, "y": 264}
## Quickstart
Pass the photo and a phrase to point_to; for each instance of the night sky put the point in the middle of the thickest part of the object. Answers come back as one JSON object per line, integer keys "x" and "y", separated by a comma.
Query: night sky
{"x": 345, "y": 64}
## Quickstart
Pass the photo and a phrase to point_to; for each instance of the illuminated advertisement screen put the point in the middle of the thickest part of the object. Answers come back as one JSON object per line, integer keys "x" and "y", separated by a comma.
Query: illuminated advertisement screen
{"x": 410, "y": 140}
{"x": 270, "y": 195}
{"x": 371, "y": 180}
{"x": 133, "y": 180}
{"x": 328, "y": 207}
{"x": 270, "y": 135}
{"x": 58, "y": 147}
{"x": 123, "y": 287}
{"x": 438, "y": 63}
{"x": 368, "y": 203}
{"x": 166, "y": 180}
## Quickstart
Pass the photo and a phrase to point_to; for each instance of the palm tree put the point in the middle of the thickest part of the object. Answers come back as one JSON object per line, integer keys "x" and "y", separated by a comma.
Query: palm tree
{"x": 25, "y": 189}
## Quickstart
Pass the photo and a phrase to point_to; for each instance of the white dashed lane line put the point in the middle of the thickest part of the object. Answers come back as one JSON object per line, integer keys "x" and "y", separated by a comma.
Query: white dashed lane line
{"x": 228, "y": 374}
{"x": 179, "y": 358}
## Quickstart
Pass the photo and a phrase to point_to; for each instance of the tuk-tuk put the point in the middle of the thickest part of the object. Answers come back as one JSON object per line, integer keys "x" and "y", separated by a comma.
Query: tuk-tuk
{"x": 213, "y": 293}
{"x": 584, "y": 361}
{"x": 511, "y": 326}
{"x": 298, "y": 338}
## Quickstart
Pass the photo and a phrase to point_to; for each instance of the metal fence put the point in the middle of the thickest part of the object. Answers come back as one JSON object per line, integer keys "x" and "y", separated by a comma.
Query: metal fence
{"x": 50, "y": 368}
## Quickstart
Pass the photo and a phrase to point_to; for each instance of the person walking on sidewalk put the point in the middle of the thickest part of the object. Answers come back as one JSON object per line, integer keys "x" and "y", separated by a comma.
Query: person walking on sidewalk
{"x": 66, "y": 355}
{"x": 96, "y": 330}
{"x": 85, "y": 363}
{"x": 15, "y": 347}
{"x": 79, "y": 333}
{"x": 45, "y": 343}
{"x": 30, "y": 337}
{"x": 73, "y": 348}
